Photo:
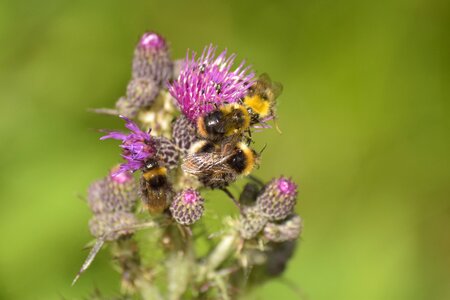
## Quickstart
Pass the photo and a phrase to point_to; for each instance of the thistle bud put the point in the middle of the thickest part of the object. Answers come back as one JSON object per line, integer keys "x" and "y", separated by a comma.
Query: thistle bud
{"x": 187, "y": 207}
{"x": 252, "y": 222}
{"x": 141, "y": 93}
{"x": 287, "y": 230}
{"x": 278, "y": 199}
{"x": 112, "y": 226}
{"x": 113, "y": 193}
{"x": 167, "y": 152}
{"x": 183, "y": 133}
{"x": 152, "y": 59}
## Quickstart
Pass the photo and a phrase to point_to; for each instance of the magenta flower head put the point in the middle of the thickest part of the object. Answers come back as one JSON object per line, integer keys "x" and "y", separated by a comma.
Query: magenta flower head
{"x": 208, "y": 81}
{"x": 187, "y": 207}
{"x": 152, "y": 59}
{"x": 138, "y": 147}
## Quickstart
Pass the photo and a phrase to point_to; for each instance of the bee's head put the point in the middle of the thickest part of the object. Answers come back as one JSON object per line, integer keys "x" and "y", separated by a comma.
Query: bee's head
{"x": 150, "y": 164}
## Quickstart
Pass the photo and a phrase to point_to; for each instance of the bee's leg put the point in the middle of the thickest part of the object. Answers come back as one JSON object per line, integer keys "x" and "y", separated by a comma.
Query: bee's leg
{"x": 248, "y": 138}
{"x": 229, "y": 194}
{"x": 276, "y": 126}
{"x": 256, "y": 180}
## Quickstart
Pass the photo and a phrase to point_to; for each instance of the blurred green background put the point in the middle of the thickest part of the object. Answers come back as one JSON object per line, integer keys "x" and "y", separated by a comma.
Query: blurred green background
{"x": 364, "y": 115}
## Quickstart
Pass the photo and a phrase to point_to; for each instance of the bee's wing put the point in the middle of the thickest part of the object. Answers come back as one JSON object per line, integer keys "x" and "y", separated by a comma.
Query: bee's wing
{"x": 277, "y": 89}
{"x": 264, "y": 78}
{"x": 200, "y": 163}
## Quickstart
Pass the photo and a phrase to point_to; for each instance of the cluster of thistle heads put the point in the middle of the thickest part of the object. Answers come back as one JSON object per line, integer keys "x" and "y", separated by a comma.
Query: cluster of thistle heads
{"x": 191, "y": 124}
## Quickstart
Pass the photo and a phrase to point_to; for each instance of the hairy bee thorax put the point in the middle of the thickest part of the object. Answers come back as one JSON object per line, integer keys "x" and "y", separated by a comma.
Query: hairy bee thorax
{"x": 225, "y": 121}
{"x": 258, "y": 106}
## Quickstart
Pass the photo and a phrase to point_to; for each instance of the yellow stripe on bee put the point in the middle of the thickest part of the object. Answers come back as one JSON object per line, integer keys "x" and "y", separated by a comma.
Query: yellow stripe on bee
{"x": 201, "y": 129}
{"x": 246, "y": 116}
{"x": 259, "y": 105}
{"x": 250, "y": 158}
{"x": 155, "y": 172}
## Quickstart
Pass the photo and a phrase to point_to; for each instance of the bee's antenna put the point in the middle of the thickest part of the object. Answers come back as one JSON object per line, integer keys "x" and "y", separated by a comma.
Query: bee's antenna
{"x": 262, "y": 150}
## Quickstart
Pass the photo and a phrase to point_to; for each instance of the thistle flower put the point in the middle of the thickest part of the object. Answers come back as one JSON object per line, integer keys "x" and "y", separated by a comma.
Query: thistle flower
{"x": 289, "y": 229}
{"x": 252, "y": 222}
{"x": 278, "y": 199}
{"x": 138, "y": 147}
{"x": 183, "y": 154}
{"x": 207, "y": 82}
{"x": 187, "y": 207}
{"x": 113, "y": 193}
{"x": 152, "y": 59}
{"x": 183, "y": 134}
{"x": 112, "y": 226}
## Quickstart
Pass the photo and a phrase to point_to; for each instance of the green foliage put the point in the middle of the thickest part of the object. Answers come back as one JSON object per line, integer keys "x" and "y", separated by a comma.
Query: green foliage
{"x": 364, "y": 115}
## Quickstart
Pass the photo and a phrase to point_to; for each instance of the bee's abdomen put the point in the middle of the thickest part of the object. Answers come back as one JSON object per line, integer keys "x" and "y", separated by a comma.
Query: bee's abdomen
{"x": 157, "y": 182}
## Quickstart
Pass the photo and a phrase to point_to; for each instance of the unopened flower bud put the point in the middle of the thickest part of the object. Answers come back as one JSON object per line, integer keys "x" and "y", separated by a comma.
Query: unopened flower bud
{"x": 278, "y": 199}
{"x": 141, "y": 93}
{"x": 113, "y": 193}
{"x": 152, "y": 59}
{"x": 183, "y": 133}
{"x": 252, "y": 222}
{"x": 287, "y": 230}
{"x": 111, "y": 226}
{"x": 187, "y": 207}
{"x": 167, "y": 152}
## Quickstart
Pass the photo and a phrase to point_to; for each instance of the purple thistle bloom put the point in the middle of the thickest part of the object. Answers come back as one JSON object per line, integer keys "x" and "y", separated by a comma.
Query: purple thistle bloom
{"x": 138, "y": 147}
{"x": 207, "y": 82}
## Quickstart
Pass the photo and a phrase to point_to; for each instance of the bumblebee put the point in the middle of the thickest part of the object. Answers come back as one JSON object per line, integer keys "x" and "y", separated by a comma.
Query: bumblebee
{"x": 225, "y": 121}
{"x": 155, "y": 187}
{"x": 216, "y": 166}
{"x": 261, "y": 99}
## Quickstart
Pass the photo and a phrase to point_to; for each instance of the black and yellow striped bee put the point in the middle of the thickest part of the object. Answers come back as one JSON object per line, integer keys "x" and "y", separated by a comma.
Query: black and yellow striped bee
{"x": 225, "y": 121}
{"x": 155, "y": 187}
{"x": 234, "y": 119}
{"x": 261, "y": 99}
{"x": 216, "y": 166}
